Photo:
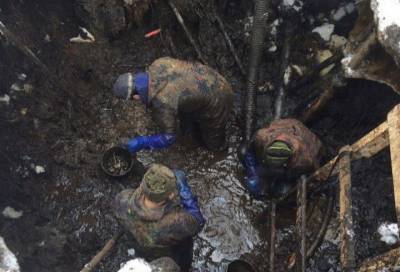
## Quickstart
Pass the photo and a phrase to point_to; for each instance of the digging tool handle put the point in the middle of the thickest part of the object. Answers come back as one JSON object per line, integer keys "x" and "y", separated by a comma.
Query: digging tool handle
{"x": 103, "y": 252}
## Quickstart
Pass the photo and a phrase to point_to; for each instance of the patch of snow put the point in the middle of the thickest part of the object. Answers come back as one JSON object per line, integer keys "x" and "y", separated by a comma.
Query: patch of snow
{"x": 294, "y": 4}
{"x": 273, "y": 48}
{"x": 131, "y": 252}
{"x": 337, "y": 41}
{"x": 350, "y": 7}
{"x": 39, "y": 169}
{"x": 274, "y": 27}
{"x": 10, "y": 212}
{"x": 298, "y": 69}
{"x": 288, "y": 2}
{"x": 351, "y": 234}
{"x": 339, "y": 14}
{"x": 22, "y": 77}
{"x": 128, "y": 2}
{"x": 345, "y": 64}
{"x": 8, "y": 261}
{"x": 387, "y": 12}
{"x": 136, "y": 265}
{"x": 286, "y": 76}
{"x": 16, "y": 87}
{"x": 389, "y": 233}
{"x": 5, "y": 98}
{"x": 325, "y": 31}
{"x": 79, "y": 39}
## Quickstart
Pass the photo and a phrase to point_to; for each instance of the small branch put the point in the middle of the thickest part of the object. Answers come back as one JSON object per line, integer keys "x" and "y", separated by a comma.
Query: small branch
{"x": 272, "y": 224}
{"x": 301, "y": 224}
{"x": 102, "y": 253}
{"x": 230, "y": 44}
{"x": 284, "y": 64}
{"x": 316, "y": 107}
{"x": 187, "y": 32}
{"x": 5, "y": 32}
{"x": 315, "y": 71}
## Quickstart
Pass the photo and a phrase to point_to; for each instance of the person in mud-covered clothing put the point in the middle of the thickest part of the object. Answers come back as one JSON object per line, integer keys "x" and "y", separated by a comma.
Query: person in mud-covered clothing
{"x": 277, "y": 155}
{"x": 162, "y": 215}
{"x": 192, "y": 94}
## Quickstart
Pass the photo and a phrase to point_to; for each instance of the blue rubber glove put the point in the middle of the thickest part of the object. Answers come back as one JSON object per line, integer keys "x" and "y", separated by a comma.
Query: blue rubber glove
{"x": 151, "y": 142}
{"x": 188, "y": 200}
{"x": 253, "y": 182}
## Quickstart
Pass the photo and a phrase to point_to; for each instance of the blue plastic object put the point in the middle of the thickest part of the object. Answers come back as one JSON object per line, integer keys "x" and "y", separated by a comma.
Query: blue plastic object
{"x": 157, "y": 141}
{"x": 142, "y": 86}
{"x": 188, "y": 200}
{"x": 252, "y": 179}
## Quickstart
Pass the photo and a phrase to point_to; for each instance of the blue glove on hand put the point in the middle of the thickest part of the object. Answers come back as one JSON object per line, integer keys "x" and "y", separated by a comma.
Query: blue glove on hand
{"x": 150, "y": 142}
{"x": 188, "y": 200}
{"x": 253, "y": 184}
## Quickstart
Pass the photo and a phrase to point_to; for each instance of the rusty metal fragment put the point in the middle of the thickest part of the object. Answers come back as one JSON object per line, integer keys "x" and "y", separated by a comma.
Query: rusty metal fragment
{"x": 347, "y": 253}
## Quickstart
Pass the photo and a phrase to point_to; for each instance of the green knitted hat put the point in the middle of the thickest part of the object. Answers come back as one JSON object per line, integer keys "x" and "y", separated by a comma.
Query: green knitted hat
{"x": 277, "y": 154}
{"x": 158, "y": 182}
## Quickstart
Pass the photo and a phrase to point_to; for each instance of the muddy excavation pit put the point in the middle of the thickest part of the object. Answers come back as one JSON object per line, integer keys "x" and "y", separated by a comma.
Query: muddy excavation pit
{"x": 64, "y": 122}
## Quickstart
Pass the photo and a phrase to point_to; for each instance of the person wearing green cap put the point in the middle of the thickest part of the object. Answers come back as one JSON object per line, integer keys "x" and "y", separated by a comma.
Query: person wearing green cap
{"x": 162, "y": 215}
{"x": 279, "y": 153}
{"x": 190, "y": 94}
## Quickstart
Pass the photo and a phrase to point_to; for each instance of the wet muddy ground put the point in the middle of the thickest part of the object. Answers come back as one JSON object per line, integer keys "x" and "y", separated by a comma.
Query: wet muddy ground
{"x": 65, "y": 124}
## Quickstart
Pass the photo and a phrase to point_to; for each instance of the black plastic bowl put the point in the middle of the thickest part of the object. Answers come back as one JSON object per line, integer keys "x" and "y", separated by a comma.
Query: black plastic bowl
{"x": 122, "y": 154}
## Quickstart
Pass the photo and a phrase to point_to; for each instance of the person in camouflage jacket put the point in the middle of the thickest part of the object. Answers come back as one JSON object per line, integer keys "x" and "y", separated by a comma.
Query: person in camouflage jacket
{"x": 190, "y": 94}
{"x": 162, "y": 215}
{"x": 278, "y": 154}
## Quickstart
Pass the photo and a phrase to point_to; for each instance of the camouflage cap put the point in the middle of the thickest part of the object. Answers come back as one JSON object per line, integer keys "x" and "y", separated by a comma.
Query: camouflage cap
{"x": 158, "y": 182}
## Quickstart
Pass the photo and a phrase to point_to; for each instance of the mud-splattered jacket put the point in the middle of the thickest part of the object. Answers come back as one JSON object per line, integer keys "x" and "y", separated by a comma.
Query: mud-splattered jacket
{"x": 178, "y": 87}
{"x": 306, "y": 146}
{"x": 155, "y": 231}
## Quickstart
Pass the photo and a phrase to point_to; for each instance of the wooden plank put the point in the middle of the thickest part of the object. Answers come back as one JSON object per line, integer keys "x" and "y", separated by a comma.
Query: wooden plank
{"x": 347, "y": 252}
{"x": 394, "y": 137}
{"x": 388, "y": 260}
{"x": 366, "y": 147}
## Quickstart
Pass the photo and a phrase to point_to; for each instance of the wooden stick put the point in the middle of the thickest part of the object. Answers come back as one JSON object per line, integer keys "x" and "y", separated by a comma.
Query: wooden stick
{"x": 301, "y": 224}
{"x": 272, "y": 224}
{"x": 379, "y": 263}
{"x": 230, "y": 44}
{"x": 315, "y": 72}
{"x": 347, "y": 252}
{"x": 4, "y": 31}
{"x": 394, "y": 137}
{"x": 187, "y": 32}
{"x": 103, "y": 252}
{"x": 316, "y": 107}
